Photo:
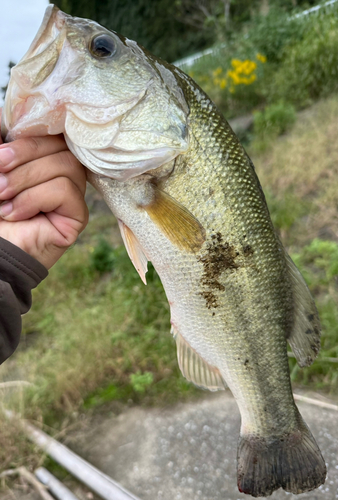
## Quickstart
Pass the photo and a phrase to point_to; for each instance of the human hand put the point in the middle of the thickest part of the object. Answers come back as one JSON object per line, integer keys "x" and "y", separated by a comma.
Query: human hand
{"x": 42, "y": 186}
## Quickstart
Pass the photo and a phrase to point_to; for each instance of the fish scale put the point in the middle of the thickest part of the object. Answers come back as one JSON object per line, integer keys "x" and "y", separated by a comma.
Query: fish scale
{"x": 187, "y": 198}
{"x": 220, "y": 172}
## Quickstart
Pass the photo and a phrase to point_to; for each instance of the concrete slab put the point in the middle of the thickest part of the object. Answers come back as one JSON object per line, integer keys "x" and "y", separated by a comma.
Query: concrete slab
{"x": 189, "y": 452}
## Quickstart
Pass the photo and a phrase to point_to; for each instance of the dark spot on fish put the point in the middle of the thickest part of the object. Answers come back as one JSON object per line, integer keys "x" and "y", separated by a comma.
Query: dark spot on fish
{"x": 308, "y": 331}
{"x": 246, "y": 362}
{"x": 210, "y": 299}
{"x": 247, "y": 250}
{"x": 213, "y": 314}
{"x": 311, "y": 317}
{"x": 219, "y": 257}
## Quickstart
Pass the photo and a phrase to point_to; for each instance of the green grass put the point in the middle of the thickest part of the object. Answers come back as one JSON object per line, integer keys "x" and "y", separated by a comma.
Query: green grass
{"x": 100, "y": 337}
{"x": 318, "y": 263}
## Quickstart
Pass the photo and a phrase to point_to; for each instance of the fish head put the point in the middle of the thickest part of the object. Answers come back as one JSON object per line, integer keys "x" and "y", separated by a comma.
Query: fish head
{"x": 120, "y": 108}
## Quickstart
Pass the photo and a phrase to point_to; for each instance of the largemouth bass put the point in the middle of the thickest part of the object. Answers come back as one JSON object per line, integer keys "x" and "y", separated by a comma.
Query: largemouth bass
{"x": 187, "y": 198}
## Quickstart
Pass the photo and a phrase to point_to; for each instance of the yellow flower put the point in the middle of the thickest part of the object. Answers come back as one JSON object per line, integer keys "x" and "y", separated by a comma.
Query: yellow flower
{"x": 261, "y": 58}
{"x": 217, "y": 71}
{"x": 234, "y": 76}
{"x": 248, "y": 67}
{"x": 236, "y": 63}
{"x": 223, "y": 83}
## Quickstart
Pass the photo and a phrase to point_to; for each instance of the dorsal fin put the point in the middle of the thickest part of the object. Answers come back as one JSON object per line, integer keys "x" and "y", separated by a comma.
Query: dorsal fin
{"x": 176, "y": 222}
{"x": 304, "y": 337}
{"x": 134, "y": 250}
{"x": 195, "y": 369}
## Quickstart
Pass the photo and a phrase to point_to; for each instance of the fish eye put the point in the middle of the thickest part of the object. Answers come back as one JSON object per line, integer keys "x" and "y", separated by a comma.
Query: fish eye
{"x": 102, "y": 46}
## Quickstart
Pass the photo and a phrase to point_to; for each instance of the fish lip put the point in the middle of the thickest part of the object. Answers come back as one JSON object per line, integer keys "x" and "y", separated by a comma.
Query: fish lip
{"x": 53, "y": 17}
{"x": 50, "y": 29}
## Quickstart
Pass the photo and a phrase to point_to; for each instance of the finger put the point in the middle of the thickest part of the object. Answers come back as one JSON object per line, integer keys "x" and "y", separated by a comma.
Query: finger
{"x": 1, "y": 141}
{"x": 59, "y": 195}
{"x": 62, "y": 164}
{"x": 23, "y": 151}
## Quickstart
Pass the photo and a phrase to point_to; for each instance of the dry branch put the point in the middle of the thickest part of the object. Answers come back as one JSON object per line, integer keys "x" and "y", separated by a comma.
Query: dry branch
{"x": 23, "y": 472}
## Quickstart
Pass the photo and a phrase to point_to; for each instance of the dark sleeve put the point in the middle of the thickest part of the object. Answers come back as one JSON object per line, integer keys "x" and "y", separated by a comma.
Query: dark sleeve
{"x": 19, "y": 274}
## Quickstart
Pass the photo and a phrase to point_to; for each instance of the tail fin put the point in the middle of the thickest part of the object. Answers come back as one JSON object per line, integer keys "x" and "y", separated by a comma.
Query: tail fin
{"x": 293, "y": 462}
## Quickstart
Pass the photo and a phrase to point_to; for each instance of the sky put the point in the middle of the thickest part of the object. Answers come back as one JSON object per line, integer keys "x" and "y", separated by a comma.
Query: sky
{"x": 19, "y": 22}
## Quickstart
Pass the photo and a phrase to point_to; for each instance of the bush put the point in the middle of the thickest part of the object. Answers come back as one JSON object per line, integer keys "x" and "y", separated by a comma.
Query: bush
{"x": 301, "y": 56}
{"x": 232, "y": 83}
{"x": 270, "y": 34}
{"x": 102, "y": 258}
{"x": 141, "y": 381}
{"x": 274, "y": 120}
{"x": 309, "y": 69}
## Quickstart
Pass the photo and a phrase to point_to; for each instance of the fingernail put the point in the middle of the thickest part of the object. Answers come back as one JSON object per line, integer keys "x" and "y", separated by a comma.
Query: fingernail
{"x": 6, "y": 209}
{"x": 6, "y": 156}
{"x": 3, "y": 182}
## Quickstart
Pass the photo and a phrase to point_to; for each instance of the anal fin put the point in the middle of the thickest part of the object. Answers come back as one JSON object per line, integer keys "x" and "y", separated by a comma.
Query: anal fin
{"x": 134, "y": 250}
{"x": 195, "y": 369}
{"x": 304, "y": 337}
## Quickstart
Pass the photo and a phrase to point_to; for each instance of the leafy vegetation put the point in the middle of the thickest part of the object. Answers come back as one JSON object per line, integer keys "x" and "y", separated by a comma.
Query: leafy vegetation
{"x": 296, "y": 62}
{"x": 274, "y": 120}
{"x": 318, "y": 263}
{"x": 102, "y": 258}
{"x": 309, "y": 69}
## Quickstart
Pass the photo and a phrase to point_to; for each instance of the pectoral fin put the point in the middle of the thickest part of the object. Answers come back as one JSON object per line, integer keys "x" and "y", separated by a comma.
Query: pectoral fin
{"x": 134, "y": 250}
{"x": 304, "y": 337}
{"x": 176, "y": 222}
{"x": 195, "y": 369}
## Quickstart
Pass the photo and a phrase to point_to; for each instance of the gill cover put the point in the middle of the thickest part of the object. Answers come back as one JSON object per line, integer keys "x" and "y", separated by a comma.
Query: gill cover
{"x": 121, "y": 111}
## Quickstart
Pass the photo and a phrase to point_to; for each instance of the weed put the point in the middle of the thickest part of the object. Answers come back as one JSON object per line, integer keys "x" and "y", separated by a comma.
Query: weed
{"x": 102, "y": 258}
{"x": 318, "y": 263}
{"x": 310, "y": 67}
{"x": 275, "y": 120}
{"x": 141, "y": 381}
{"x": 273, "y": 32}
{"x": 286, "y": 210}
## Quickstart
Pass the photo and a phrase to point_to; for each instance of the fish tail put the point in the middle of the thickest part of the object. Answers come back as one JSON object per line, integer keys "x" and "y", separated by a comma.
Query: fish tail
{"x": 292, "y": 461}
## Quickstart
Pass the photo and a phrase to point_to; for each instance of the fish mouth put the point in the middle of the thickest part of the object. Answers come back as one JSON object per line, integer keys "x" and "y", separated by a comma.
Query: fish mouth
{"x": 37, "y": 64}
